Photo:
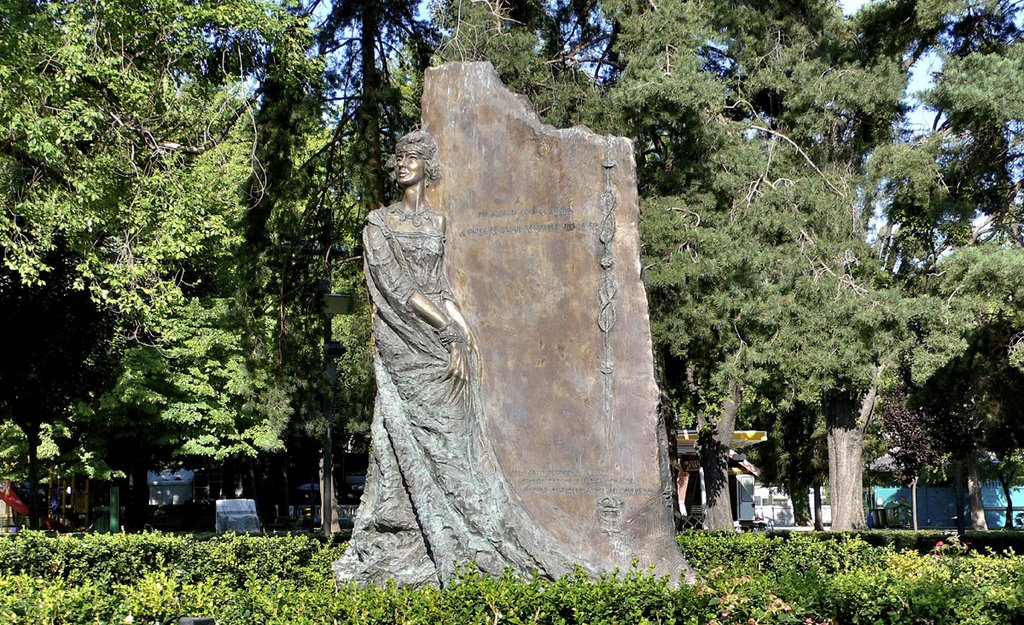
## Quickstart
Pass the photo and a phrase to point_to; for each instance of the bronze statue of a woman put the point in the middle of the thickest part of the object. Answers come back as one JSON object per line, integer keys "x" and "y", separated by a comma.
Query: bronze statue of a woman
{"x": 435, "y": 494}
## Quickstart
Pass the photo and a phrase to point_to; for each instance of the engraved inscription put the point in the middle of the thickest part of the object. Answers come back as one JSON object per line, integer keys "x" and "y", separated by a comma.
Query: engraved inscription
{"x": 542, "y": 247}
{"x": 610, "y": 520}
{"x": 610, "y": 514}
{"x": 564, "y": 211}
{"x": 510, "y": 221}
{"x": 577, "y": 482}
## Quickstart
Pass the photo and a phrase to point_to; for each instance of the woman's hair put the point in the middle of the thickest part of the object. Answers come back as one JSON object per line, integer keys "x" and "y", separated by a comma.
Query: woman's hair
{"x": 422, "y": 145}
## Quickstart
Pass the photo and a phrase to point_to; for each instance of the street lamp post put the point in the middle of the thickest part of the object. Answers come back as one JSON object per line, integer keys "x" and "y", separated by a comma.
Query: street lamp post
{"x": 333, "y": 304}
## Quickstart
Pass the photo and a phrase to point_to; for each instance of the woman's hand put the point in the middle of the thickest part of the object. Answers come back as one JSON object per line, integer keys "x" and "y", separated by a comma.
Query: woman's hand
{"x": 461, "y": 351}
{"x": 471, "y": 342}
{"x": 458, "y": 371}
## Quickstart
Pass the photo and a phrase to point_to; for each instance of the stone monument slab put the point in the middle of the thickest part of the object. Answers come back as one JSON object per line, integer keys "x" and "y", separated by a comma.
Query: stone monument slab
{"x": 543, "y": 253}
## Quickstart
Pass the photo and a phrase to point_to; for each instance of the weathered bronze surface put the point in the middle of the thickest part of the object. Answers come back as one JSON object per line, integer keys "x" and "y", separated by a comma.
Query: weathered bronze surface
{"x": 543, "y": 249}
{"x": 435, "y": 495}
{"x": 516, "y": 420}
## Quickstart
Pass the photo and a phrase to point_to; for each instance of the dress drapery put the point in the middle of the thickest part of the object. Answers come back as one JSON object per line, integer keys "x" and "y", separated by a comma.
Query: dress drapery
{"x": 435, "y": 494}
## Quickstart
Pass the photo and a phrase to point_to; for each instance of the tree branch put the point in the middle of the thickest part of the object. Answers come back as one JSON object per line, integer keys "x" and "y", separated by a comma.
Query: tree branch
{"x": 15, "y": 151}
{"x": 152, "y": 142}
{"x": 803, "y": 154}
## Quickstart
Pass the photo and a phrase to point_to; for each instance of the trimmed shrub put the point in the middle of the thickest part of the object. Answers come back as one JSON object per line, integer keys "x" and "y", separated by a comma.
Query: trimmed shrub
{"x": 752, "y": 579}
{"x": 996, "y": 542}
{"x": 778, "y": 554}
{"x": 231, "y": 559}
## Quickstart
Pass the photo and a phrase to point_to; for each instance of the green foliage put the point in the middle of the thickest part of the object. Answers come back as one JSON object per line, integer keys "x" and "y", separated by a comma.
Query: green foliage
{"x": 767, "y": 580}
{"x": 774, "y": 550}
{"x": 951, "y": 197}
{"x": 196, "y": 160}
{"x": 842, "y": 578}
{"x": 795, "y": 225}
{"x": 122, "y": 559}
{"x": 129, "y": 140}
{"x": 752, "y": 126}
{"x": 537, "y": 51}
{"x": 781, "y": 554}
{"x": 118, "y": 121}
{"x": 198, "y": 393}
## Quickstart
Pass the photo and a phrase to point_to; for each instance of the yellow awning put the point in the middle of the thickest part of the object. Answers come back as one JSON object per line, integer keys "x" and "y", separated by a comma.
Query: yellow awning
{"x": 740, "y": 438}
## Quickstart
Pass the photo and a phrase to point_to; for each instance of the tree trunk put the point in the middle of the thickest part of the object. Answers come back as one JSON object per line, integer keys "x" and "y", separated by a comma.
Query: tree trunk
{"x": 132, "y": 457}
{"x": 713, "y": 445}
{"x": 668, "y": 458}
{"x": 137, "y": 496}
{"x": 252, "y": 487}
{"x": 285, "y": 494}
{"x": 328, "y": 501}
{"x": 32, "y": 435}
{"x": 913, "y": 502}
{"x": 798, "y": 496}
{"x": 978, "y": 521}
{"x": 714, "y": 458}
{"x": 668, "y": 466}
{"x": 845, "y": 464}
{"x": 819, "y": 520}
{"x": 681, "y": 479}
{"x": 368, "y": 113}
{"x": 1008, "y": 524}
{"x": 227, "y": 487}
{"x": 961, "y": 525}
{"x": 675, "y": 480}
{"x": 846, "y": 423}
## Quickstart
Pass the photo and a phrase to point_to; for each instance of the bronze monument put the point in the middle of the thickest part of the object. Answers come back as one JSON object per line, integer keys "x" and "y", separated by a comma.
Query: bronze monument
{"x": 516, "y": 421}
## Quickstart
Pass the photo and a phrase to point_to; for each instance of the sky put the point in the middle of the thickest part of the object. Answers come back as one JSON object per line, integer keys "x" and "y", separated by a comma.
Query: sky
{"x": 919, "y": 118}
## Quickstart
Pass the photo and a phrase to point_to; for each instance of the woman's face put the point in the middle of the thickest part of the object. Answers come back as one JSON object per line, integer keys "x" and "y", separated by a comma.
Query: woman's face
{"x": 410, "y": 169}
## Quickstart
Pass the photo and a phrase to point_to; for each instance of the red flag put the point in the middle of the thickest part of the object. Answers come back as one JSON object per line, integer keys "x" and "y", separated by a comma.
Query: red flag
{"x": 8, "y": 495}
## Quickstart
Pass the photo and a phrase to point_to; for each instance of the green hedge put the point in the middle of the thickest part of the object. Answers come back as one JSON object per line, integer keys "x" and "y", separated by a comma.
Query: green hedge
{"x": 227, "y": 559}
{"x": 842, "y": 578}
{"x": 746, "y": 579}
{"x": 849, "y": 547}
{"x": 923, "y": 541}
{"x": 782, "y": 553}
{"x": 159, "y": 598}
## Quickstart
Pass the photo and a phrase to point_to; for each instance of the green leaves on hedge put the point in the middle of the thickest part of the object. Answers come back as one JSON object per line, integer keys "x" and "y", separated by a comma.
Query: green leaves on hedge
{"x": 754, "y": 578}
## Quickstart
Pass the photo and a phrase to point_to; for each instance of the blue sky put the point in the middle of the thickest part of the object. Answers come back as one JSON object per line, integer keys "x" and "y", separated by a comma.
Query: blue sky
{"x": 920, "y": 77}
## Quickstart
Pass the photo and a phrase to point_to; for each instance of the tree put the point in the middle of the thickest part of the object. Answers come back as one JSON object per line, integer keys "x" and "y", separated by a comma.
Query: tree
{"x": 109, "y": 112}
{"x": 951, "y": 199}
{"x": 770, "y": 174}
{"x": 130, "y": 137}
{"x": 975, "y": 388}
{"x": 58, "y": 352}
{"x": 752, "y": 128}
{"x": 795, "y": 454}
{"x": 1009, "y": 470}
{"x": 201, "y": 168}
{"x": 321, "y": 147}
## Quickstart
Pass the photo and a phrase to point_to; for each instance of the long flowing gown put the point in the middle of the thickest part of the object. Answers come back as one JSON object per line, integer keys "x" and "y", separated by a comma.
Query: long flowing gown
{"x": 435, "y": 495}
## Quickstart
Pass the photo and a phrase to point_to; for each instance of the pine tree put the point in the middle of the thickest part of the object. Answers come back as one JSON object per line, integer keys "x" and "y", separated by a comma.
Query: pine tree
{"x": 951, "y": 198}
